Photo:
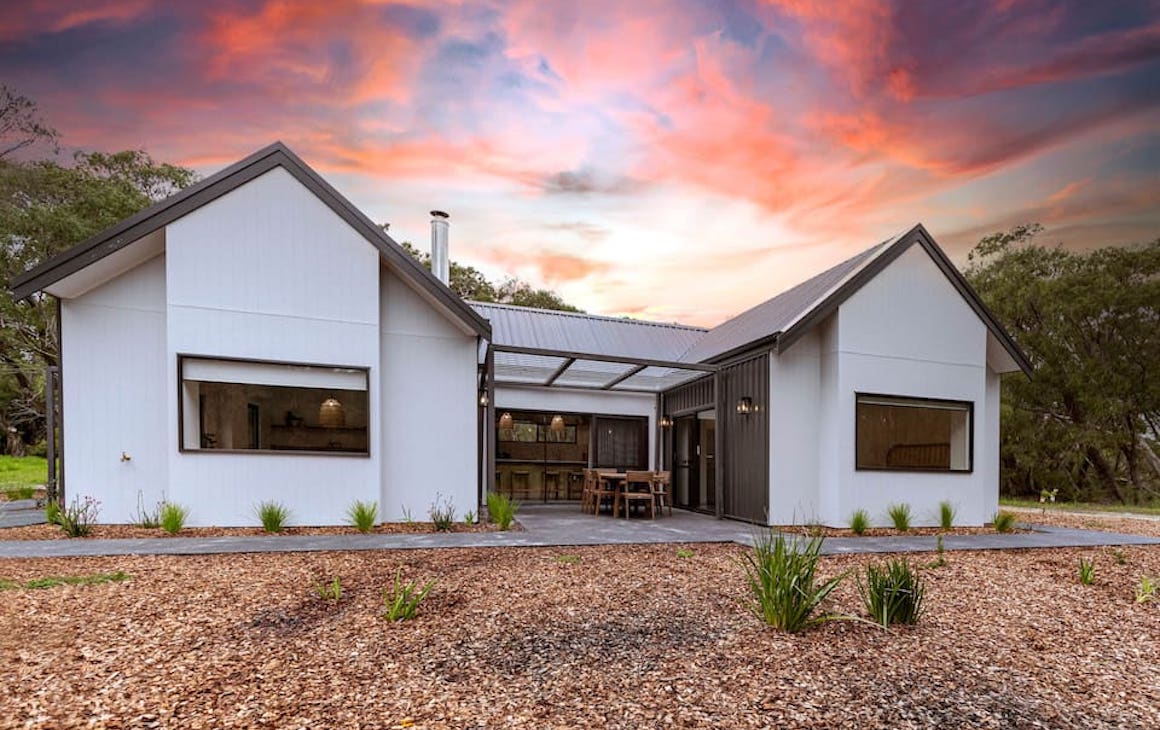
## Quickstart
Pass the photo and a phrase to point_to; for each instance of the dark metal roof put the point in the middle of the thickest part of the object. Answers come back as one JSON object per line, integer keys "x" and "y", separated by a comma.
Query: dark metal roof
{"x": 213, "y": 187}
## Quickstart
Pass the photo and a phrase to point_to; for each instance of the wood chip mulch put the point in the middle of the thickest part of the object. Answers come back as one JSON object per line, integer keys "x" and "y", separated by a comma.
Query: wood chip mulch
{"x": 118, "y": 532}
{"x": 623, "y": 637}
{"x": 815, "y": 530}
{"x": 1142, "y": 525}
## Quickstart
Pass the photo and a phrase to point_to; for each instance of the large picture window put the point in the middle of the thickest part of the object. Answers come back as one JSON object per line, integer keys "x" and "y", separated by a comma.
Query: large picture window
{"x": 913, "y": 434}
{"x": 242, "y": 405}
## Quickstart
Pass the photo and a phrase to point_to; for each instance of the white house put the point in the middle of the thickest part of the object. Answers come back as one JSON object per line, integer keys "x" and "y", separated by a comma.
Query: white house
{"x": 255, "y": 337}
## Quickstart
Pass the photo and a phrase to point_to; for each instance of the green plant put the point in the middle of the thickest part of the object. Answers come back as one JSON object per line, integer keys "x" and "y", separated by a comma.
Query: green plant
{"x": 568, "y": 559}
{"x": 900, "y": 516}
{"x": 331, "y": 591}
{"x": 1146, "y": 589}
{"x": 941, "y": 560}
{"x": 501, "y": 509}
{"x": 684, "y": 552}
{"x": 407, "y": 516}
{"x": 24, "y": 491}
{"x": 946, "y": 515}
{"x": 145, "y": 519}
{"x": 1004, "y": 521}
{"x": 1087, "y": 571}
{"x": 402, "y": 601}
{"x": 363, "y": 515}
{"x": 78, "y": 517}
{"x": 62, "y": 580}
{"x": 469, "y": 517}
{"x": 892, "y": 594}
{"x": 273, "y": 515}
{"x": 859, "y": 522}
{"x": 173, "y": 517}
{"x": 442, "y": 513}
{"x": 782, "y": 581}
{"x": 52, "y": 513}
{"x": 1120, "y": 556}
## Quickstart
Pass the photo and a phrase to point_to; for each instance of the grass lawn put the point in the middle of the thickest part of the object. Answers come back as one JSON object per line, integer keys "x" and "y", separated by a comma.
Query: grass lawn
{"x": 609, "y": 636}
{"x": 22, "y": 471}
{"x": 1148, "y": 509}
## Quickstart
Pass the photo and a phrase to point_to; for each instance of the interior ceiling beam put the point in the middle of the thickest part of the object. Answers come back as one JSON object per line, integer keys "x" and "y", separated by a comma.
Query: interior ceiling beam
{"x": 622, "y": 377}
{"x": 670, "y": 364}
{"x": 560, "y": 370}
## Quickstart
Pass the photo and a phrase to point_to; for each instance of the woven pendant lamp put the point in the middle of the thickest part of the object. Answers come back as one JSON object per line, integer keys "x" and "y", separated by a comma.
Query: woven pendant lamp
{"x": 331, "y": 414}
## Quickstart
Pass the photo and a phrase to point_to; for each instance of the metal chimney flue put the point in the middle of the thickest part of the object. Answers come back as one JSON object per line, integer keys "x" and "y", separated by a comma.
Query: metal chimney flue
{"x": 440, "y": 255}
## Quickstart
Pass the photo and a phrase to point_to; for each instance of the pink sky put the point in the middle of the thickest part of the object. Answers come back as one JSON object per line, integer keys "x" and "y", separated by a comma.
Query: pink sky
{"x": 676, "y": 160}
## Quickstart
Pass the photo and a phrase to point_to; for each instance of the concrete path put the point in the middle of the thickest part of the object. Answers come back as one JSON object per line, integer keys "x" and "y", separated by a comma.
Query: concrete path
{"x": 20, "y": 512}
{"x": 557, "y": 525}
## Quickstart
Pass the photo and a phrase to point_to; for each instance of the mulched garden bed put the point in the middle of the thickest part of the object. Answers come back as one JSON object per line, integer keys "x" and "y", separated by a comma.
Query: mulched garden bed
{"x": 815, "y": 530}
{"x": 117, "y": 532}
{"x": 608, "y": 637}
{"x": 1105, "y": 523}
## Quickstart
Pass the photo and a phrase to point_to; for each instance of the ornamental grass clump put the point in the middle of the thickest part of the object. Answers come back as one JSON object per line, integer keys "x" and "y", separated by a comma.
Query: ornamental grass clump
{"x": 442, "y": 513}
{"x": 172, "y": 517}
{"x": 363, "y": 515}
{"x": 1004, "y": 521}
{"x": 78, "y": 517}
{"x": 892, "y": 594}
{"x": 501, "y": 509}
{"x": 402, "y": 601}
{"x": 900, "y": 516}
{"x": 1087, "y": 571}
{"x": 273, "y": 515}
{"x": 946, "y": 515}
{"x": 781, "y": 574}
{"x": 859, "y": 522}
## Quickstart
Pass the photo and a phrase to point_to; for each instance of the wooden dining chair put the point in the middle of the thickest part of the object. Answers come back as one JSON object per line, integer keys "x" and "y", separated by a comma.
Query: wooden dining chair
{"x": 588, "y": 491}
{"x": 637, "y": 489}
{"x": 603, "y": 490}
{"x": 662, "y": 496}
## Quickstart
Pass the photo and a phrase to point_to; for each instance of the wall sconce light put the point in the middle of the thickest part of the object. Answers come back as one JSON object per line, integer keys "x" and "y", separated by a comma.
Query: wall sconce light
{"x": 506, "y": 422}
{"x": 745, "y": 406}
{"x": 483, "y": 398}
{"x": 557, "y": 425}
{"x": 331, "y": 414}
{"x": 666, "y": 421}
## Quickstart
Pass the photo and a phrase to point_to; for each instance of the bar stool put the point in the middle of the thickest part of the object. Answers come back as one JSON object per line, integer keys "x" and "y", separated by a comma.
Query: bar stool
{"x": 552, "y": 478}
{"x": 575, "y": 480}
{"x": 498, "y": 481}
{"x": 521, "y": 479}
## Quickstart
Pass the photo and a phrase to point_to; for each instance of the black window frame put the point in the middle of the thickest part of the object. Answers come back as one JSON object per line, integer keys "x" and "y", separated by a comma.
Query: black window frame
{"x": 970, "y": 410}
{"x": 181, "y": 447}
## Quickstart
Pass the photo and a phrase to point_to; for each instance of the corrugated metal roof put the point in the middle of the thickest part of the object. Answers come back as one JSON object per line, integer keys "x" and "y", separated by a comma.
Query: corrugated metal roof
{"x": 587, "y": 333}
{"x": 777, "y": 314}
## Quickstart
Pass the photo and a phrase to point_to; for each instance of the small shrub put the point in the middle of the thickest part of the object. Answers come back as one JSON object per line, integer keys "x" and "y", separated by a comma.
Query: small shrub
{"x": 946, "y": 515}
{"x": 78, "y": 517}
{"x": 273, "y": 515}
{"x": 403, "y": 600}
{"x": 941, "y": 560}
{"x": 900, "y": 516}
{"x": 19, "y": 491}
{"x": 1120, "y": 556}
{"x": 1146, "y": 589}
{"x": 1004, "y": 521}
{"x": 442, "y": 513}
{"x": 469, "y": 518}
{"x": 501, "y": 509}
{"x": 363, "y": 515}
{"x": 782, "y": 580}
{"x": 684, "y": 552}
{"x": 568, "y": 559}
{"x": 893, "y": 594}
{"x": 859, "y": 522}
{"x": 173, "y": 517}
{"x": 407, "y": 516}
{"x": 331, "y": 591}
{"x": 52, "y": 513}
{"x": 1087, "y": 571}
{"x": 144, "y": 518}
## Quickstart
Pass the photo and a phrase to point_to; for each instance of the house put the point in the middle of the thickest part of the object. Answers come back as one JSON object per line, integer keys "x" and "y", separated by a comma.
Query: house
{"x": 256, "y": 337}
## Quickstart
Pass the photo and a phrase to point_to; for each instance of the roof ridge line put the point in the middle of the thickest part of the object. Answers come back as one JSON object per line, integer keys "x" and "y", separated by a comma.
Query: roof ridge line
{"x": 588, "y": 315}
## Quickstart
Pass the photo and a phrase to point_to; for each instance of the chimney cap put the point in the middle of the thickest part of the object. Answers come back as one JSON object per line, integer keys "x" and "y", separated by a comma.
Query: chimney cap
{"x": 439, "y": 214}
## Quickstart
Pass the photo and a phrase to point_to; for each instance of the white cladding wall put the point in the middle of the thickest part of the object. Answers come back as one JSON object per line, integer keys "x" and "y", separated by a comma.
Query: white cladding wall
{"x": 428, "y": 385}
{"x": 907, "y": 332}
{"x": 795, "y": 421}
{"x": 601, "y": 403}
{"x": 113, "y": 366}
{"x": 269, "y": 272}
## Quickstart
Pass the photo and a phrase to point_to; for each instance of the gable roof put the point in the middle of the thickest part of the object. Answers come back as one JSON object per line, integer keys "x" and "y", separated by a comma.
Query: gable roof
{"x": 215, "y": 186}
{"x": 782, "y": 320}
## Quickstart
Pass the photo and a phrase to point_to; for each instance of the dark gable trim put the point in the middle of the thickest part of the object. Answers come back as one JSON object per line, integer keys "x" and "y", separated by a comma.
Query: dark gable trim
{"x": 213, "y": 187}
{"x": 918, "y": 235}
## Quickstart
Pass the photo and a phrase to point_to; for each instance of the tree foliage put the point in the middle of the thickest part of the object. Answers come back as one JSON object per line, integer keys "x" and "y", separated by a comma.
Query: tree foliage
{"x": 46, "y": 207}
{"x": 469, "y": 283}
{"x": 1087, "y": 421}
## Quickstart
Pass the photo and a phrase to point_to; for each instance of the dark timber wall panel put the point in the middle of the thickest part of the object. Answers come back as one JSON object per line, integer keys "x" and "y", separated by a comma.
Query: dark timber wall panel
{"x": 745, "y": 443}
{"x": 690, "y": 397}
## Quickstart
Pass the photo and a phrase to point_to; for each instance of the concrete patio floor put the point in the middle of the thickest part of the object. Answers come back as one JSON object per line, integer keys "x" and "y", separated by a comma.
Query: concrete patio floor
{"x": 559, "y": 525}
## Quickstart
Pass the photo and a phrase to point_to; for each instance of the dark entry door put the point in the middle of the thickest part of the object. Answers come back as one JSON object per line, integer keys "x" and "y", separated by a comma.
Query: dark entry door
{"x": 687, "y": 462}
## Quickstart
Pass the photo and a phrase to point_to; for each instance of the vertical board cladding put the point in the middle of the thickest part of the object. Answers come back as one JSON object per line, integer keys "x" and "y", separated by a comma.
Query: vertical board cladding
{"x": 690, "y": 397}
{"x": 745, "y": 461}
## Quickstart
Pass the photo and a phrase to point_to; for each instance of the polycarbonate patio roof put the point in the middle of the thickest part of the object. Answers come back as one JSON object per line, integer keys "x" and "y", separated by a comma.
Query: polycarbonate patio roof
{"x": 515, "y": 365}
